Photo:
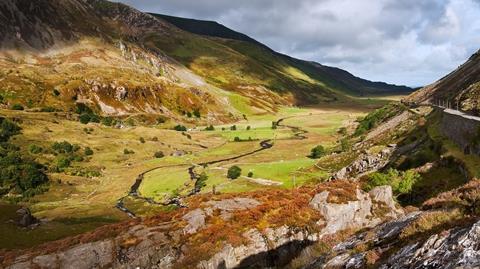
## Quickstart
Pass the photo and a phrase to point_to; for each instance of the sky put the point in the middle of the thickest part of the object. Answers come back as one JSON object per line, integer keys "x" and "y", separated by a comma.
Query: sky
{"x": 406, "y": 42}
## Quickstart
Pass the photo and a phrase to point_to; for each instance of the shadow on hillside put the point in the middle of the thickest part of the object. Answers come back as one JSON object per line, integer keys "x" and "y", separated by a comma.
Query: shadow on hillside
{"x": 275, "y": 258}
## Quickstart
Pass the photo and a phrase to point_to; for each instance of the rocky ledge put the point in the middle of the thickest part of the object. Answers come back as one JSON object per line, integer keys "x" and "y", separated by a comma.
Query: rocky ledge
{"x": 244, "y": 239}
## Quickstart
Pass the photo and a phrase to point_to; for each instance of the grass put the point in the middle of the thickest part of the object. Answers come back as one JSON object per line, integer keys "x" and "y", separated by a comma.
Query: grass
{"x": 164, "y": 183}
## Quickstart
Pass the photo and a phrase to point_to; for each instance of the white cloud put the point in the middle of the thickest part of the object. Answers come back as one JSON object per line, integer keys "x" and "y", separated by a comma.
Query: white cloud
{"x": 411, "y": 42}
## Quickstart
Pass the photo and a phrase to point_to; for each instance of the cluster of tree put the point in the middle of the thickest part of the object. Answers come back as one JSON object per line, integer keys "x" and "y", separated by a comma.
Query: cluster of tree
{"x": 19, "y": 174}
{"x": 66, "y": 154}
{"x": 180, "y": 128}
{"x": 195, "y": 112}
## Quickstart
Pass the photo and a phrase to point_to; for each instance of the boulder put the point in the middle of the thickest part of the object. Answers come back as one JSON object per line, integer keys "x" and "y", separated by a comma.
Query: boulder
{"x": 25, "y": 218}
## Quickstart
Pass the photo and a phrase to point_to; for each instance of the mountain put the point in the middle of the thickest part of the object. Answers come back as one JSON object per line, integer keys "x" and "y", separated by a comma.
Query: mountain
{"x": 120, "y": 61}
{"x": 335, "y": 78}
{"x": 460, "y": 88}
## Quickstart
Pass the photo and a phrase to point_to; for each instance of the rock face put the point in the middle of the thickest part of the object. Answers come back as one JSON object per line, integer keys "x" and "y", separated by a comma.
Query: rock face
{"x": 354, "y": 214}
{"x": 164, "y": 245}
{"x": 364, "y": 164}
{"x": 457, "y": 248}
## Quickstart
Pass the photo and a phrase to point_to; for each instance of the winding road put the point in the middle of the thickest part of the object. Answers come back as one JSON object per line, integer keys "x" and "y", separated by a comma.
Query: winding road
{"x": 299, "y": 134}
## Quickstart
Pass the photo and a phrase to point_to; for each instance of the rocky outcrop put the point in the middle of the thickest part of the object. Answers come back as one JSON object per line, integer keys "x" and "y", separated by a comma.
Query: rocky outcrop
{"x": 456, "y": 248}
{"x": 365, "y": 163}
{"x": 25, "y": 218}
{"x": 165, "y": 244}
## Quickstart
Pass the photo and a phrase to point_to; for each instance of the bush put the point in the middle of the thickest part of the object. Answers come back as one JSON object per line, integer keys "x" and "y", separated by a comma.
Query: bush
{"x": 63, "y": 162}
{"x": 56, "y": 93}
{"x": 318, "y": 152}
{"x": 233, "y": 128}
{"x": 17, "y": 107}
{"x": 201, "y": 182}
{"x": 401, "y": 182}
{"x": 48, "y": 109}
{"x": 85, "y": 118}
{"x": 196, "y": 113}
{"x": 237, "y": 139}
{"x": 8, "y": 129}
{"x": 210, "y": 128}
{"x": 189, "y": 114}
{"x": 250, "y": 174}
{"x": 180, "y": 128}
{"x": 128, "y": 152}
{"x": 234, "y": 172}
{"x": 161, "y": 120}
{"x": 88, "y": 151}
{"x": 248, "y": 128}
{"x": 81, "y": 108}
{"x": 142, "y": 140}
{"x": 155, "y": 139}
{"x": 34, "y": 149}
{"x": 159, "y": 154}
{"x": 63, "y": 147}
{"x": 107, "y": 121}
{"x": 274, "y": 125}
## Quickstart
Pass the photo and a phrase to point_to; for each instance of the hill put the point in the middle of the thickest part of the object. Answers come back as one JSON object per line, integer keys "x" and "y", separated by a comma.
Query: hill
{"x": 460, "y": 89}
{"x": 333, "y": 78}
{"x": 123, "y": 62}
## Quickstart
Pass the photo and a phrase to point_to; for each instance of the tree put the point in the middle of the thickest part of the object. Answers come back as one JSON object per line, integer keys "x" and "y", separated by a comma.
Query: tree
{"x": 88, "y": 151}
{"x": 237, "y": 139}
{"x": 201, "y": 182}
{"x": 210, "y": 128}
{"x": 84, "y": 118}
{"x": 250, "y": 174}
{"x": 233, "y": 128}
{"x": 180, "y": 128}
{"x": 248, "y": 128}
{"x": 274, "y": 125}
{"x": 196, "y": 113}
{"x": 159, "y": 154}
{"x": 234, "y": 172}
{"x": 318, "y": 152}
{"x": 142, "y": 140}
{"x": 17, "y": 107}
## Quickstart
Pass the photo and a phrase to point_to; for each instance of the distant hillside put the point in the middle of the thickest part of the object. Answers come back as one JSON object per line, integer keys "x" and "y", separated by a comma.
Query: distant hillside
{"x": 460, "y": 88}
{"x": 333, "y": 77}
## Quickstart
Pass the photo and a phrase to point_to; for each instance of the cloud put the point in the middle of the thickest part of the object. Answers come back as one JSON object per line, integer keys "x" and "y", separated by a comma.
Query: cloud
{"x": 405, "y": 42}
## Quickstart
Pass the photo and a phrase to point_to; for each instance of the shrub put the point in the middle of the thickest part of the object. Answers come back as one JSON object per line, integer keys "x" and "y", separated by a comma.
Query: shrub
{"x": 233, "y": 128}
{"x": 17, "y": 107}
{"x": 237, "y": 139}
{"x": 8, "y": 129}
{"x": 248, "y": 128}
{"x": 48, "y": 109}
{"x": 159, "y": 154}
{"x": 274, "y": 125}
{"x": 63, "y": 162}
{"x": 250, "y": 174}
{"x": 155, "y": 139}
{"x": 210, "y": 128}
{"x": 196, "y": 113}
{"x": 318, "y": 152}
{"x": 142, "y": 140}
{"x": 56, "y": 93}
{"x": 63, "y": 147}
{"x": 84, "y": 118}
{"x": 201, "y": 182}
{"x": 88, "y": 151}
{"x": 180, "y": 128}
{"x": 127, "y": 152}
{"x": 189, "y": 114}
{"x": 34, "y": 149}
{"x": 107, "y": 121}
{"x": 401, "y": 182}
{"x": 234, "y": 172}
{"x": 161, "y": 120}
{"x": 81, "y": 108}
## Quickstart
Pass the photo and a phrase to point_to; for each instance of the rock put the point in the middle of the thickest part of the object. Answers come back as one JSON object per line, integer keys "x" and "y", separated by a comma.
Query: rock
{"x": 383, "y": 196}
{"x": 121, "y": 93}
{"x": 196, "y": 221}
{"x": 25, "y": 218}
{"x": 228, "y": 206}
{"x": 352, "y": 215}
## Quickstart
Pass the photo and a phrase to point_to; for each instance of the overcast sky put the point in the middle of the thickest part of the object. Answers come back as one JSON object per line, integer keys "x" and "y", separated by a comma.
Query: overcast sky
{"x": 411, "y": 42}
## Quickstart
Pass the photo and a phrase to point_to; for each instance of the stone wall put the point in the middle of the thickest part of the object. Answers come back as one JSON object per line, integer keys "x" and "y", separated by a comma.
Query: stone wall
{"x": 461, "y": 129}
